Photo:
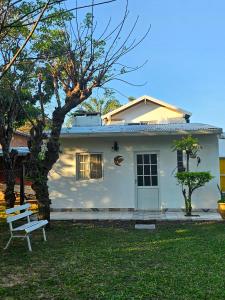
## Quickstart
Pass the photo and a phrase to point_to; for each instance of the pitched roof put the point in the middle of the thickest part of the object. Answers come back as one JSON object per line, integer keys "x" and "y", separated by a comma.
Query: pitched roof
{"x": 22, "y": 133}
{"x": 145, "y": 98}
{"x": 137, "y": 130}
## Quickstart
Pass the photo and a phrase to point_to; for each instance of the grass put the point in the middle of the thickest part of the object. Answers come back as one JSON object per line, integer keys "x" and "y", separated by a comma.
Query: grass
{"x": 184, "y": 261}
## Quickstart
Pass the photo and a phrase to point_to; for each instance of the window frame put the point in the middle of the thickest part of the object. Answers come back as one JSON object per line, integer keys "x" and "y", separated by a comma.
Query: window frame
{"x": 180, "y": 161}
{"x": 143, "y": 164}
{"x": 89, "y": 163}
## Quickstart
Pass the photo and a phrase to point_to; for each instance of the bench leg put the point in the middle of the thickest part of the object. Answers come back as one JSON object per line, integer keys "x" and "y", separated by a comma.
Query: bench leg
{"x": 44, "y": 235}
{"x": 28, "y": 242}
{"x": 7, "y": 245}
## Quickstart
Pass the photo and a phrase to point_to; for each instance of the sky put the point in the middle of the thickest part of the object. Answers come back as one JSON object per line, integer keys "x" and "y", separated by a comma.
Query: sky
{"x": 185, "y": 49}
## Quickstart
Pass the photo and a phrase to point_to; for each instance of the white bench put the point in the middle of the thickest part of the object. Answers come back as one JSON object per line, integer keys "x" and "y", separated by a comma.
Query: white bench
{"x": 26, "y": 228}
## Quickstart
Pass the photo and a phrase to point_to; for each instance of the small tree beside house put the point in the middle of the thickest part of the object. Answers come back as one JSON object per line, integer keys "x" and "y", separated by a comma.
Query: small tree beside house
{"x": 190, "y": 181}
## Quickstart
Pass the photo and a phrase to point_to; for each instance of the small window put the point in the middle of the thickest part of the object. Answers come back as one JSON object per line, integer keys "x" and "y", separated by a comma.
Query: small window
{"x": 147, "y": 173}
{"x": 180, "y": 161}
{"x": 89, "y": 166}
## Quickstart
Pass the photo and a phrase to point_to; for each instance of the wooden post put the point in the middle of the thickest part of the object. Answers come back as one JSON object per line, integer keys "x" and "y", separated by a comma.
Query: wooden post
{"x": 22, "y": 194}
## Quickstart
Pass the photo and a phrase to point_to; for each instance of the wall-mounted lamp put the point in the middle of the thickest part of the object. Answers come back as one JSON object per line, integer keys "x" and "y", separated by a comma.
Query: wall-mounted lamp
{"x": 115, "y": 146}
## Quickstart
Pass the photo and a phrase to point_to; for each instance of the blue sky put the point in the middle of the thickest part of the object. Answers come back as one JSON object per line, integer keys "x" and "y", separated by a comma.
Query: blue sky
{"x": 185, "y": 50}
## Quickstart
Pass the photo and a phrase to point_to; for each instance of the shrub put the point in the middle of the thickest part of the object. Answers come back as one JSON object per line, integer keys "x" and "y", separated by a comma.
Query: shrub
{"x": 190, "y": 181}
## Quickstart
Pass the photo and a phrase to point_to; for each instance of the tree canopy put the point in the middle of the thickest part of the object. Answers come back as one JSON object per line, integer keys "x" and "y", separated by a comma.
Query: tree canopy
{"x": 102, "y": 105}
{"x": 68, "y": 60}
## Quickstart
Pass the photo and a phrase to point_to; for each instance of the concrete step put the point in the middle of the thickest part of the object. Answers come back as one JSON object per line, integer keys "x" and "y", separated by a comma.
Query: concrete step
{"x": 145, "y": 226}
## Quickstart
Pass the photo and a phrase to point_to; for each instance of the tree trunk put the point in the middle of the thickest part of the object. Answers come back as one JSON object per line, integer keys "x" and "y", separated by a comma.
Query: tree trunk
{"x": 188, "y": 207}
{"x": 40, "y": 167}
{"x": 10, "y": 177}
{"x": 187, "y": 199}
{"x": 42, "y": 196}
{"x": 188, "y": 161}
{"x": 10, "y": 197}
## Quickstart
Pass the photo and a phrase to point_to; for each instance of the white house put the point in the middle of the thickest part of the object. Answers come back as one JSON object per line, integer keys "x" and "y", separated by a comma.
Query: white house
{"x": 126, "y": 162}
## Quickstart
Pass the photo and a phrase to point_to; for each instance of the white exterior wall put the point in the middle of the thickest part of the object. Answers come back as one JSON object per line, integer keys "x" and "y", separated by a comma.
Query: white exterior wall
{"x": 117, "y": 188}
{"x": 147, "y": 112}
{"x": 87, "y": 120}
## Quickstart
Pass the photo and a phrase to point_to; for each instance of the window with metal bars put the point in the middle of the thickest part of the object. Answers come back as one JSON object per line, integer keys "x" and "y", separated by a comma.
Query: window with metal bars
{"x": 89, "y": 166}
{"x": 180, "y": 161}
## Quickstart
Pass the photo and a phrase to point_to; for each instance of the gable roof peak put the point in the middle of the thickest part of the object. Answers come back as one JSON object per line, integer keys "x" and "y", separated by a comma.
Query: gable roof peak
{"x": 150, "y": 99}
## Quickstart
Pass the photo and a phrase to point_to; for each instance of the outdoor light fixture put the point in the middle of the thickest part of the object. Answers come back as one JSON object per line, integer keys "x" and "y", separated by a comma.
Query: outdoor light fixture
{"x": 115, "y": 146}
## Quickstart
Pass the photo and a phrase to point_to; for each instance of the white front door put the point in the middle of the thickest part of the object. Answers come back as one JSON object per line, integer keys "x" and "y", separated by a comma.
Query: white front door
{"x": 147, "y": 182}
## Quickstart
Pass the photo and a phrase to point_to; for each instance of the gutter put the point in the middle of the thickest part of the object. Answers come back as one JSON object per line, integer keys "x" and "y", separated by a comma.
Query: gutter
{"x": 139, "y": 133}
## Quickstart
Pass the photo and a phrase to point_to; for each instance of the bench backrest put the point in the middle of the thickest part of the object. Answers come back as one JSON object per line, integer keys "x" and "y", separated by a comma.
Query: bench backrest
{"x": 17, "y": 208}
{"x": 22, "y": 215}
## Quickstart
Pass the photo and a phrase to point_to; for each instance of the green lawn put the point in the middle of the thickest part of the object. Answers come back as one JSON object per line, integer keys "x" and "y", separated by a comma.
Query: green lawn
{"x": 85, "y": 262}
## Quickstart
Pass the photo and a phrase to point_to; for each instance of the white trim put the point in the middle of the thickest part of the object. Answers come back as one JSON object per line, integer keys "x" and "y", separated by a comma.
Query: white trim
{"x": 142, "y": 98}
{"x": 76, "y": 166}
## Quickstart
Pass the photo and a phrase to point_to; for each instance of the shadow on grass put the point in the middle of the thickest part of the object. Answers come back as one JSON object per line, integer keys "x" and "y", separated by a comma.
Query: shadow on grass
{"x": 86, "y": 262}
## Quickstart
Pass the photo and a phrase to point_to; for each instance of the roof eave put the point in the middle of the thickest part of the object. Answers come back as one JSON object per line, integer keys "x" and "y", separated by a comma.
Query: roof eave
{"x": 142, "y": 133}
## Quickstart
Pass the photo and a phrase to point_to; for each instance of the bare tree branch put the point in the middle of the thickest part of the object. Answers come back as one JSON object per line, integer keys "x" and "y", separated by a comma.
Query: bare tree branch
{"x": 26, "y": 41}
{"x": 64, "y": 12}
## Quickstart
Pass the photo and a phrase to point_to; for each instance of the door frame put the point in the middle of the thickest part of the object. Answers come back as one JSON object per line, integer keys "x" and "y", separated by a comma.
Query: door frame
{"x": 135, "y": 175}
